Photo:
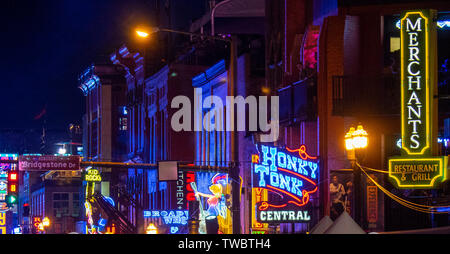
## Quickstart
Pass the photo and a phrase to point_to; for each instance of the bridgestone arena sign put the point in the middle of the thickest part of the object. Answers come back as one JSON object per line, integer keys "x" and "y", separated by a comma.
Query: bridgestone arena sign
{"x": 49, "y": 162}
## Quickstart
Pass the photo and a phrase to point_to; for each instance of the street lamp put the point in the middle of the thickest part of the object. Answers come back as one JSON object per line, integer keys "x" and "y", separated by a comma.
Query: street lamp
{"x": 356, "y": 141}
{"x": 42, "y": 225}
{"x": 144, "y": 32}
{"x": 46, "y": 222}
{"x": 151, "y": 229}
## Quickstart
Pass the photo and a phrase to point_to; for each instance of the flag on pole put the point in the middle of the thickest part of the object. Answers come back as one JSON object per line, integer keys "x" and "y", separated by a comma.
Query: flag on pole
{"x": 41, "y": 114}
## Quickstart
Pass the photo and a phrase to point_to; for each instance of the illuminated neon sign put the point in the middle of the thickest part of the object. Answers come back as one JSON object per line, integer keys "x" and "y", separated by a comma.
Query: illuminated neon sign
{"x": 290, "y": 178}
{"x": 417, "y": 172}
{"x": 415, "y": 84}
{"x": 93, "y": 176}
{"x": 3, "y": 223}
{"x": 184, "y": 192}
{"x": 181, "y": 204}
{"x": 417, "y": 168}
{"x": 36, "y": 222}
{"x": 444, "y": 141}
{"x": 440, "y": 24}
{"x": 170, "y": 217}
{"x": 258, "y": 195}
{"x": 5, "y": 168}
{"x": 177, "y": 220}
{"x": 213, "y": 191}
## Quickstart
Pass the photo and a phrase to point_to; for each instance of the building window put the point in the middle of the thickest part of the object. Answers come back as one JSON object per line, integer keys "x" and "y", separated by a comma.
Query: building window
{"x": 75, "y": 204}
{"x": 60, "y": 204}
{"x": 123, "y": 121}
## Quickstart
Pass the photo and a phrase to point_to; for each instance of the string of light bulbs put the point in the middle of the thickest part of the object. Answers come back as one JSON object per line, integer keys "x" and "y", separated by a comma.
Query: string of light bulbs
{"x": 406, "y": 203}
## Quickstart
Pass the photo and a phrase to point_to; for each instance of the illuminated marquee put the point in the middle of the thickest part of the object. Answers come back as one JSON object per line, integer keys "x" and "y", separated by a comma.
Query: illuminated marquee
{"x": 177, "y": 220}
{"x": 3, "y": 223}
{"x": 36, "y": 222}
{"x": 213, "y": 191}
{"x": 416, "y": 90}
{"x": 258, "y": 195}
{"x": 181, "y": 204}
{"x": 170, "y": 217}
{"x": 417, "y": 168}
{"x": 418, "y": 172}
{"x": 184, "y": 192}
{"x": 93, "y": 176}
{"x": 289, "y": 177}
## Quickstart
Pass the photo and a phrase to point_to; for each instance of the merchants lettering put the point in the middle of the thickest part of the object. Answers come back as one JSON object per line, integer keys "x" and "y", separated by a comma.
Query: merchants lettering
{"x": 413, "y": 89}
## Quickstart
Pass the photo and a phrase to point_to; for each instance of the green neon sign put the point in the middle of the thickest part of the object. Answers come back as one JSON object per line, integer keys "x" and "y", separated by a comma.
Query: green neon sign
{"x": 421, "y": 173}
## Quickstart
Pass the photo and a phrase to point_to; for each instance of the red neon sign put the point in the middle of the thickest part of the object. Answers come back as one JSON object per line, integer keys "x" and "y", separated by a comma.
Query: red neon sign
{"x": 36, "y": 222}
{"x": 302, "y": 153}
{"x": 190, "y": 195}
{"x": 12, "y": 177}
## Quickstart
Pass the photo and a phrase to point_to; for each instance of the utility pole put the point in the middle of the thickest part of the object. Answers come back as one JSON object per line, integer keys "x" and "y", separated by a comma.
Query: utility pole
{"x": 357, "y": 190}
{"x": 234, "y": 167}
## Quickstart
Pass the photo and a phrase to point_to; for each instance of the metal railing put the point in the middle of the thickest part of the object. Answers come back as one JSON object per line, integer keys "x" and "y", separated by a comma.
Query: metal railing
{"x": 298, "y": 101}
{"x": 365, "y": 95}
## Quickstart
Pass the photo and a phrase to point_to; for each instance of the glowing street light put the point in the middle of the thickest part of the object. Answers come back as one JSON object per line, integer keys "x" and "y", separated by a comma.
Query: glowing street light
{"x": 146, "y": 32}
{"x": 349, "y": 139}
{"x": 355, "y": 143}
{"x": 151, "y": 229}
{"x": 46, "y": 222}
{"x": 62, "y": 151}
{"x": 356, "y": 139}
{"x": 142, "y": 34}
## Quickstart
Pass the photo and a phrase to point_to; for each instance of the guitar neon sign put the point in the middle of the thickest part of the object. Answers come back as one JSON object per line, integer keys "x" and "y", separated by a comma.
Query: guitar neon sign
{"x": 290, "y": 177}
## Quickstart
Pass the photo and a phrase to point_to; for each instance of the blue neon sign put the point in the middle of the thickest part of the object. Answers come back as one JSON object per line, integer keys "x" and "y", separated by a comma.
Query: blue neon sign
{"x": 170, "y": 217}
{"x": 282, "y": 170}
{"x": 290, "y": 177}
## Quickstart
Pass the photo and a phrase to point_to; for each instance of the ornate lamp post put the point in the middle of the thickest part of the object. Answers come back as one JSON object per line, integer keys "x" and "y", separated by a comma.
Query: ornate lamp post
{"x": 144, "y": 32}
{"x": 356, "y": 142}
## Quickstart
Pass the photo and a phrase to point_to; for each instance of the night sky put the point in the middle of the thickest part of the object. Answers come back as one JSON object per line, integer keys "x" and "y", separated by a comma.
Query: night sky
{"x": 46, "y": 45}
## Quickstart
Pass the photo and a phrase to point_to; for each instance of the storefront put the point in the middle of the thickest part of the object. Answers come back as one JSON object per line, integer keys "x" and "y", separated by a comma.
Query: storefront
{"x": 200, "y": 195}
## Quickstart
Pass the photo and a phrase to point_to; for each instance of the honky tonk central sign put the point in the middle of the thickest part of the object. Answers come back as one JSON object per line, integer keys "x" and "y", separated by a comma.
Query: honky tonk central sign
{"x": 283, "y": 181}
{"x": 417, "y": 168}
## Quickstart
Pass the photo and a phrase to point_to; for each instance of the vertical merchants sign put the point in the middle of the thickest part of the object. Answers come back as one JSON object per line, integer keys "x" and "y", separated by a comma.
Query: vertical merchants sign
{"x": 418, "y": 40}
{"x": 418, "y": 167}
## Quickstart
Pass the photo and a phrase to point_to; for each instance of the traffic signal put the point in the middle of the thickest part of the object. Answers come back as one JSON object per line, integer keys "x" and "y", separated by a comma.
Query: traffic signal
{"x": 11, "y": 199}
{"x": 26, "y": 210}
{"x": 13, "y": 187}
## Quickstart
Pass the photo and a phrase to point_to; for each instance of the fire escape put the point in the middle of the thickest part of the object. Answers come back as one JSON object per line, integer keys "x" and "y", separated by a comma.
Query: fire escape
{"x": 123, "y": 225}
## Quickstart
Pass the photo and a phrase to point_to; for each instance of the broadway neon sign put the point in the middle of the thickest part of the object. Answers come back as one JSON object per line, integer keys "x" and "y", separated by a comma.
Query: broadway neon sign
{"x": 289, "y": 177}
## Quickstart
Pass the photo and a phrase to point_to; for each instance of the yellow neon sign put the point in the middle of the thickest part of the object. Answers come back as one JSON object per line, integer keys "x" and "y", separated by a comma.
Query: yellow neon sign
{"x": 427, "y": 85}
{"x": 442, "y": 173}
{"x": 93, "y": 176}
{"x": 258, "y": 195}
